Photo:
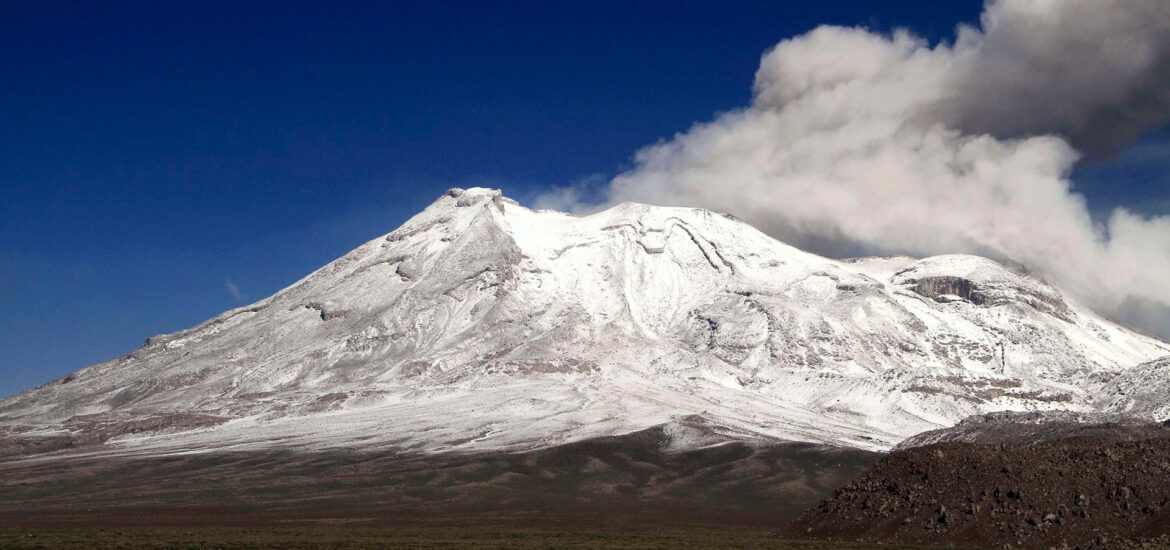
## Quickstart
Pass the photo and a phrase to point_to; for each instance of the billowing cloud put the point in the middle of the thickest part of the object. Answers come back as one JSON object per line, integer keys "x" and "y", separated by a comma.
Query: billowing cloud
{"x": 863, "y": 142}
{"x": 1094, "y": 71}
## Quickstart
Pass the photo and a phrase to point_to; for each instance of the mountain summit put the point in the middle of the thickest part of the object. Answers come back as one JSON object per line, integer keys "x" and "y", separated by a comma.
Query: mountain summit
{"x": 481, "y": 324}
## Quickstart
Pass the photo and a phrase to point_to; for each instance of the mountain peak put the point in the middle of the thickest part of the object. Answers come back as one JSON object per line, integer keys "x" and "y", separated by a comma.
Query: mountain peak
{"x": 482, "y": 324}
{"x": 475, "y": 196}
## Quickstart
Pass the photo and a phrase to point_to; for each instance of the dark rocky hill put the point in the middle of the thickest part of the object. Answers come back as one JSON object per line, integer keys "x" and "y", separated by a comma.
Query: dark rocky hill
{"x": 1095, "y": 487}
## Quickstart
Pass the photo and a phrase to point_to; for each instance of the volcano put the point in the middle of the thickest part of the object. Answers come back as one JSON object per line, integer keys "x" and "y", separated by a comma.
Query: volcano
{"x": 482, "y": 325}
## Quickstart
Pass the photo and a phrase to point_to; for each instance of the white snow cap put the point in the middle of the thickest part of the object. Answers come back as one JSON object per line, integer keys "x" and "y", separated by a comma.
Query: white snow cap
{"x": 482, "y": 324}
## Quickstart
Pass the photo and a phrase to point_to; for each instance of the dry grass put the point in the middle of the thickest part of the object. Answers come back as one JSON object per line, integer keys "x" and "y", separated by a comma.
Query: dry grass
{"x": 479, "y": 538}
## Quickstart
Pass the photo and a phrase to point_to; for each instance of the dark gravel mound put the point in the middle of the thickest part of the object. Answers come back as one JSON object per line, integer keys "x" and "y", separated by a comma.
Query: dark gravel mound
{"x": 1078, "y": 492}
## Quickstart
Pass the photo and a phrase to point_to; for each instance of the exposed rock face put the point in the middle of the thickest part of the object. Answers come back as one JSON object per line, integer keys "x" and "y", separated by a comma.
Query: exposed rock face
{"x": 982, "y": 282}
{"x": 483, "y": 325}
{"x": 940, "y": 287}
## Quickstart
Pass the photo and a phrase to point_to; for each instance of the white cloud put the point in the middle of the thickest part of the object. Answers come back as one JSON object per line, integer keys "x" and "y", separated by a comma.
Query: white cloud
{"x": 861, "y": 141}
{"x": 574, "y": 196}
{"x": 234, "y": 290}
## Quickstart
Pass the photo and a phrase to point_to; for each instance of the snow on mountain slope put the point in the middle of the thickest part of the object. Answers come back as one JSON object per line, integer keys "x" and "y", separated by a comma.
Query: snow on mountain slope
{"x": 481, "y": 324}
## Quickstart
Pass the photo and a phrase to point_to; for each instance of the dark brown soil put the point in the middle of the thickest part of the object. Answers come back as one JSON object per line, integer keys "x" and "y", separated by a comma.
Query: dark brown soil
{"x": 469, "y": 536}
{"x": 627, "y": 478}
{"x": 1078, "y": 492}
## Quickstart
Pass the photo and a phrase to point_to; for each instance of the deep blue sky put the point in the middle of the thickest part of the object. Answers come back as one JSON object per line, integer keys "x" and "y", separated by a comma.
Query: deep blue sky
{"x": 151, "y": 152}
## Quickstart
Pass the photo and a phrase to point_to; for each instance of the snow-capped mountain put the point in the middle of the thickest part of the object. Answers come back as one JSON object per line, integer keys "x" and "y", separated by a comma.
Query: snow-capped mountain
{"x": 482, "y": 324}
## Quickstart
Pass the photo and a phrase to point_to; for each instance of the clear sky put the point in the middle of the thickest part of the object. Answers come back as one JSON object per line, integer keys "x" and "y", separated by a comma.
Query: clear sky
{"x": 161, "y": 162}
